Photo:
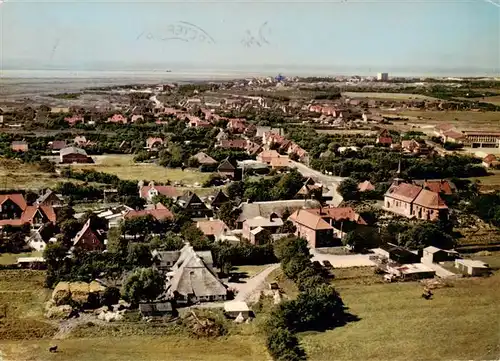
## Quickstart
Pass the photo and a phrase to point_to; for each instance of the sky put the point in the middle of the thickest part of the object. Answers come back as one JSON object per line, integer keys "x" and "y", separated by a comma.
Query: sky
{"x": 369, "y": 35}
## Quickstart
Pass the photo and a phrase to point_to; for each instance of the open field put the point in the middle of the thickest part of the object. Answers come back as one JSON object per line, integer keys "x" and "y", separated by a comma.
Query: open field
{"x": 396, "y": 323}
{"x": 125, "y": 168}
{"x": 144, "y": 348}
{"x": 17, "y": 175}
{"x": 493, "y": 100}
{"x": 346, "y": 131}
{"x": 11, "y": 258}
{"x": 26, "y": 335}
{"x": 388, "y": 96}
{"x": 490, "y": 182}
{"x": 249, "y": 271}
{"x": 462, "y": 119}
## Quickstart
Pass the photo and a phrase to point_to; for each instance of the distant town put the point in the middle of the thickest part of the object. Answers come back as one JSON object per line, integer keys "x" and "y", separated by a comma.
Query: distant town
{"x": 283, "y": 218}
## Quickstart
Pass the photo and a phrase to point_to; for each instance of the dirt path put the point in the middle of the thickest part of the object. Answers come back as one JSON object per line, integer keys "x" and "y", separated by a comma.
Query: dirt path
{"x": 249, "y": 291}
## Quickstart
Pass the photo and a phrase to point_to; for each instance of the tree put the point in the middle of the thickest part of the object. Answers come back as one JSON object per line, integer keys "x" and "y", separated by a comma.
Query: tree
{"x": 110, "y": 296}
{"x": 235, "y": 190}
{"x": 144, "y": 284}
{"x": 361, "y": 239}
{"x": 195, "y": 237}
{"x": 227, "y": 215}
{"x": 426, "y": 234}
{"x": 169, "y": 242}
{"x": 284, "y": 345}
{"x": 289, "y": 247}
{"x": 287, "y": 227}
{"x": 139, "y": 255}
{"x": 348, "y": 189}
{"x": 116, "y": 243}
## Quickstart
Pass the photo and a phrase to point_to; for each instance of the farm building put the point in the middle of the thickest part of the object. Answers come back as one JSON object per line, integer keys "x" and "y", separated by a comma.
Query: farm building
{"x": 413, "y": 271}
{"x": 74, "y": 155}
{"x": 472, "y": 267}
{"x": 434, "y": 255}
{"x": 233, "y": 308}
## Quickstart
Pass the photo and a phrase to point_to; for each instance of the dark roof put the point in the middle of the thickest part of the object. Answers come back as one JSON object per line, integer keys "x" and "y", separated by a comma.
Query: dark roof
{"x": 226, "y": 166}
{"x": 220, "y": 198}
{"x": 189, "y": 198}
{"x": 155, "y": 307}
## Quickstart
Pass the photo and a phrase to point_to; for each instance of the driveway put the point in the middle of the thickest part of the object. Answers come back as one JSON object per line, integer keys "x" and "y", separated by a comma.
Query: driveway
{"x": 249, "y": 290}
{"x": 351, "y": 260}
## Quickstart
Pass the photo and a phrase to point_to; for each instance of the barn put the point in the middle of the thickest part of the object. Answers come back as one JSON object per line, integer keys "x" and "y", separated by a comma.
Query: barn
{"x": 74, "y": 155}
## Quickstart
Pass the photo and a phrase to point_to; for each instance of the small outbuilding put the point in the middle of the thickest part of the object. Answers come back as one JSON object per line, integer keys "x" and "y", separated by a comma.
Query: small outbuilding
{"x": 435, "y": 255}
{"x": 472, "y": 267}
{"x": 233, "y": 308}
{"x": 157, "y": 309}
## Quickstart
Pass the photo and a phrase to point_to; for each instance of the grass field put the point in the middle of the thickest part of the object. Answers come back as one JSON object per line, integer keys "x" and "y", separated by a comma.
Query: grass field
{"x": 250, "y": 271}
{"x": 490, "y": 182}
{"x": 170, "y": 348}
{"x": 11, "y": 258}
{"x": 388, "y": 96}
{"x": 125, "y": 168}
{"x": 396, "y": 323}
{"x": 16, "y": 175}
{"x": 462, "y": 119}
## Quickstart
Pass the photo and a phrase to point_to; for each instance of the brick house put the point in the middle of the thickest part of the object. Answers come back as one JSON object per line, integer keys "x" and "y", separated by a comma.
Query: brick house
{"x": 14, "y": 211}
{"x": 312, "y": 227}
{"x": 384, "y": 137}
{"x": 87, "y": 240}
{"x": 19, "y": 146}
{"x": 412, "y": 201}
{"x": 151, "y": 190}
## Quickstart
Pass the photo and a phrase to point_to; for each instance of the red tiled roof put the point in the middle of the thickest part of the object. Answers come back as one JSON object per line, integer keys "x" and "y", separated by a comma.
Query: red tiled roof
{"x": 430, "y": 199}
{"x": 403, "y": 192}
{"x": 444, "y": 127}
{"x": 439, "y": 186}
{"x": 384, "y": 140}
{"x": 365, "y": 186}
{"x": 453, "y": 134}
{"x": 212, "y": 228}
{"x": 234, "y": 143}
{"x": 16, "y": 198}
{"x": 160, "y": 213}
{"x": 30, "y": 211}
{"x": 309, "y": 220}
{"x": 338, "y": 214}
{"x": 169, "y": 191}
{"x": 489, "y": 158}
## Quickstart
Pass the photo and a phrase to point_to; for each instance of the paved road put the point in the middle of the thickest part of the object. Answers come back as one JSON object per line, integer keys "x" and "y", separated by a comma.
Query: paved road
{"x": 332, "y": 182}
{"x": 309, "y": 172}
{"x": 250, "y": 289}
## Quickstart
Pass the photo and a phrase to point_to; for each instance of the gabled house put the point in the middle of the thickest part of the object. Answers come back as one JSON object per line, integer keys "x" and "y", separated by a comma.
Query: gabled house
{"x": 191, "y": 281}
{"x": 413, "y": 201}
{"x": 49, "y": 198}
{"x": 384, "y": 138}
{"x": 87, "y": 240}
{"x": 158, "y": 211}
{"x": 151, "y": 190}
{"x": 270, "y": 223}
{"x": 310, "y": 190}
{"x": 280, "y": 163}
{"x": 253, "y": 148}
{"x": 81, "y": 141}
{"x": 237, "y": 125}
{"x": 342, "y": 219}
{"x": 196, "y": 122}
{"x": 366, "y": 186}
{"x": 267, "y": 156}
{"x": 227, "y": 169}
{"x": 204, "y": 159}
{"x": 313, "y": 228}
{"x": 219, "y": 199}
{"x": 15, "y": 212}
{"x": 222, "y": 135}
{"x": 136, "y": 118}
{"x": 412, "y": 146}
{"x": 193, "y": 205}
{"x": 213, "y": 229}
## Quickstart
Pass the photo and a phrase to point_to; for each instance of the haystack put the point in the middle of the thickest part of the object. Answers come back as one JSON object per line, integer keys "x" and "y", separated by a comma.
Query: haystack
{"x": 61, "y": 294}
{"x": 79, "y": 292}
